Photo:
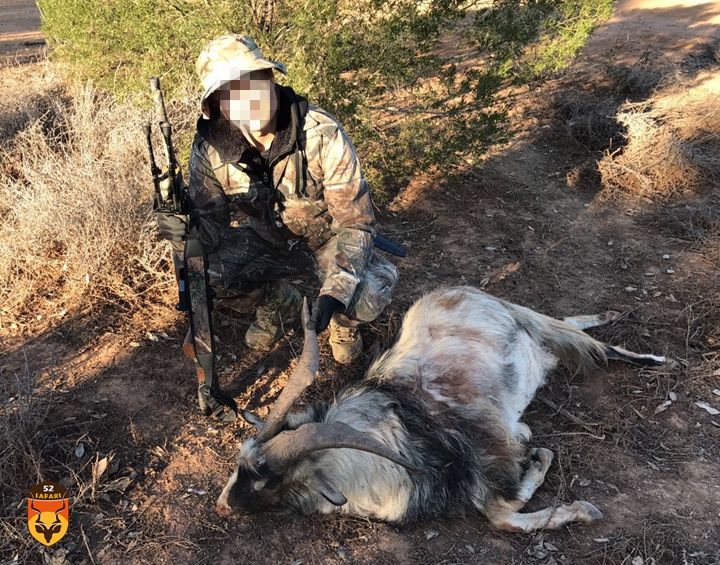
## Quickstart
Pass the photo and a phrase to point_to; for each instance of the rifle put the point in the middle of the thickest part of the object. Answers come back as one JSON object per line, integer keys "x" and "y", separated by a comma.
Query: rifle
{"x": 194, "y": 291}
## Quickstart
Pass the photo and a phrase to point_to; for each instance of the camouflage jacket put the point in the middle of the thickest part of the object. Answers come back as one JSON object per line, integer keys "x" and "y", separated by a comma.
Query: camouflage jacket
{"x": 309, "y": 185}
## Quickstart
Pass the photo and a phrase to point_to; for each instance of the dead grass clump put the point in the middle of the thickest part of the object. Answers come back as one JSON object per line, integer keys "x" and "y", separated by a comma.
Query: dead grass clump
{"x": 671, "y": 148}
{"x": 77, "y": 226}
{"x": 587, "y": 120}
{"x": 636, "y": 82}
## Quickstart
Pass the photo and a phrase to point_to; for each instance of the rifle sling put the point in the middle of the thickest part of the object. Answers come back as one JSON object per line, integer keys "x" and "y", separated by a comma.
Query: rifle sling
{"x": 200, "y": 308}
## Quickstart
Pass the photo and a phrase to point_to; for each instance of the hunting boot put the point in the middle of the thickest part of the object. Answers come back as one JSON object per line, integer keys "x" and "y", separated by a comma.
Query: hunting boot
{"x": 282, "y": 302}
{"x": 345, "y": 339}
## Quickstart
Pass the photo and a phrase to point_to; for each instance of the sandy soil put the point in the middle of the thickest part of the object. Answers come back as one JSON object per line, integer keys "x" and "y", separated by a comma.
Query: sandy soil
{"x": 529, "y": 226}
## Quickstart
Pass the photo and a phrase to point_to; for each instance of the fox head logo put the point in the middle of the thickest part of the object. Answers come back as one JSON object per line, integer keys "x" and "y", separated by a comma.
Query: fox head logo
{"x": 48, "y": 512}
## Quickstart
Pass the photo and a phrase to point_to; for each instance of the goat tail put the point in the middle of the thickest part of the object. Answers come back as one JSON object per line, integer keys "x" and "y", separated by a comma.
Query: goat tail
{"x": 570, "y": 344}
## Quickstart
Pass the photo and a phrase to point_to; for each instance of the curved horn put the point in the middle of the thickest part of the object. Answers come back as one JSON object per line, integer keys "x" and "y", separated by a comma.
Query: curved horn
{"x": 32, "y": 507}
{"x": 290, "y": 446}
{"x": 57, "y": 521}
{"x": 301, "y": 378}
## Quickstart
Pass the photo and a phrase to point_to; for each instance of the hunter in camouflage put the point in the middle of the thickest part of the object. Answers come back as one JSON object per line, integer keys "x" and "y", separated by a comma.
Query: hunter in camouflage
{"x": 278, "y": 191}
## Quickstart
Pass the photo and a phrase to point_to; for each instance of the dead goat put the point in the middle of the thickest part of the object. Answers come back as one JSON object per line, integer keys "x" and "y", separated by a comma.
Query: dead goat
{"x": 434, "y": 425}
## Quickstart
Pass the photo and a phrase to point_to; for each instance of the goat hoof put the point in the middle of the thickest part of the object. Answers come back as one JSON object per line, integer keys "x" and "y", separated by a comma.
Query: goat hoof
{"x": 610, "y": 316}
{"x": 541, "y": 454}
{"x": 586, "y": 511}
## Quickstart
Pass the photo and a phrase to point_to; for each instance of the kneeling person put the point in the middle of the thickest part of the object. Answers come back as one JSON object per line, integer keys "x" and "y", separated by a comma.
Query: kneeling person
{"x": 277, "y": 191}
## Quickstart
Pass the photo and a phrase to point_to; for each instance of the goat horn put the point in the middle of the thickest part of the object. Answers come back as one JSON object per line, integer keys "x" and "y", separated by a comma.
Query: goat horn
{"x": 301, "y": 378}
{"x": 290, "y": 446}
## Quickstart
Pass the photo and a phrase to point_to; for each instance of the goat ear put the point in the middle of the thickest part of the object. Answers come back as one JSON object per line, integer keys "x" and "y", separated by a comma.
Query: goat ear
{"x": 320, "y": 484}
{"x": 331, "y": 494}
{"x": 253, "y": 419}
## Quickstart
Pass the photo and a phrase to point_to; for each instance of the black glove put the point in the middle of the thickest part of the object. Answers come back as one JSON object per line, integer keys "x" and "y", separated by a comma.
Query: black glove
{"x": 322, "y": 310}
{"x": 173, "y": 227}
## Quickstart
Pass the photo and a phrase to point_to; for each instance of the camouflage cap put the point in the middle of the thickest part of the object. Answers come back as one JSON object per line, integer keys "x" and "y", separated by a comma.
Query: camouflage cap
{"x": 228, "y": 57}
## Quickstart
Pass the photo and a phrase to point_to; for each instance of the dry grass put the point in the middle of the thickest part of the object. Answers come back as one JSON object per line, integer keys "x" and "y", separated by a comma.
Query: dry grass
{"x": 587, "y": 120}
{"x": 671, "y": 148}
{"x": 77, "y": 227}
{"x": 23, "y": 431}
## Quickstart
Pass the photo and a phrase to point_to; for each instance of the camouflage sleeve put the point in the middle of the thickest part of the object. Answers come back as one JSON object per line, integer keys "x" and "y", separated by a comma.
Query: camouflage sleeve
{"x": 211, "y": 213}
{"x": 353, "y": 221}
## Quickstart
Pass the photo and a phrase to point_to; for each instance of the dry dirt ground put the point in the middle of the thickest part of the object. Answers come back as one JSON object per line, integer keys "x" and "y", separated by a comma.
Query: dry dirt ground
{"x": 530, "y": 224}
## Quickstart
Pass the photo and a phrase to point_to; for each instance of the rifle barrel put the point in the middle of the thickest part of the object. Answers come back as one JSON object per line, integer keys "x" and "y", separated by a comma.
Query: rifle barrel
{"x": 166, "y": 130}
{"x": 156, "y": 172}
{"x": 160, "y": 112}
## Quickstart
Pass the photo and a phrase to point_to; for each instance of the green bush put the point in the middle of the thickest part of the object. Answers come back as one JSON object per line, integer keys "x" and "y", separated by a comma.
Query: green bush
{"x": 378, "y": 65}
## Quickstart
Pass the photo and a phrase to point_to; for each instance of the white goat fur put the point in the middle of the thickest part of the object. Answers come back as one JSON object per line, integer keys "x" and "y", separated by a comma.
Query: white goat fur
{"x": 473, "y": 363}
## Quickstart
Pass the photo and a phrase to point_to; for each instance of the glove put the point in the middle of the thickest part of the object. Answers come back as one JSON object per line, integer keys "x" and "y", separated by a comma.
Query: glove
{"x": 322, "y": 310}
{"x": 173, "y": 227}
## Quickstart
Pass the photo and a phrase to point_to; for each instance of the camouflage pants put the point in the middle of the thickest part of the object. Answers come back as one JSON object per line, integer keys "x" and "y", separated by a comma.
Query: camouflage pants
{"x": 373, "y": 292}
{"x": 247, "y": 262}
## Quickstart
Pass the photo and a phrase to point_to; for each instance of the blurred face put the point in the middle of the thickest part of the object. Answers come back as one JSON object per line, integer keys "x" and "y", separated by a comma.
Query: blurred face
{"x": 249, "y": 102}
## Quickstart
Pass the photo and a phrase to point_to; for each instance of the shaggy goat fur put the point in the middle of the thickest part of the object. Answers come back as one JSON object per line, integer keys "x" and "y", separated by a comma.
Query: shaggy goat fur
{"x": 448, "y": 398}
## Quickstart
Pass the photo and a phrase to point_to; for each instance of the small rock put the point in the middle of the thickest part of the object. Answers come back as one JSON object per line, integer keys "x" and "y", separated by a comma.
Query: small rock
{"x": 638, "y": 561}
{"x": 652, "y": 271}
{"x": 550, "y": 547}
{"x": 430, "y": 534}
{"x": 670, "y": 271}
{"x": 583, "y": 483}
{"x": 672, "y": 396}
{"x": 657, "y": 293}
{"x": 630, "y": 288}
{"x": 134, "y": 344}
{"x": 709, "y": 409}
{"x": 716, "y": 392}
{"x": 152, "y": 337}
{"x": 611, "y": 243}
{"x": 80, "y": 450}
{"x": 666, "y": 256}
{"x": 470, "y": 548}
